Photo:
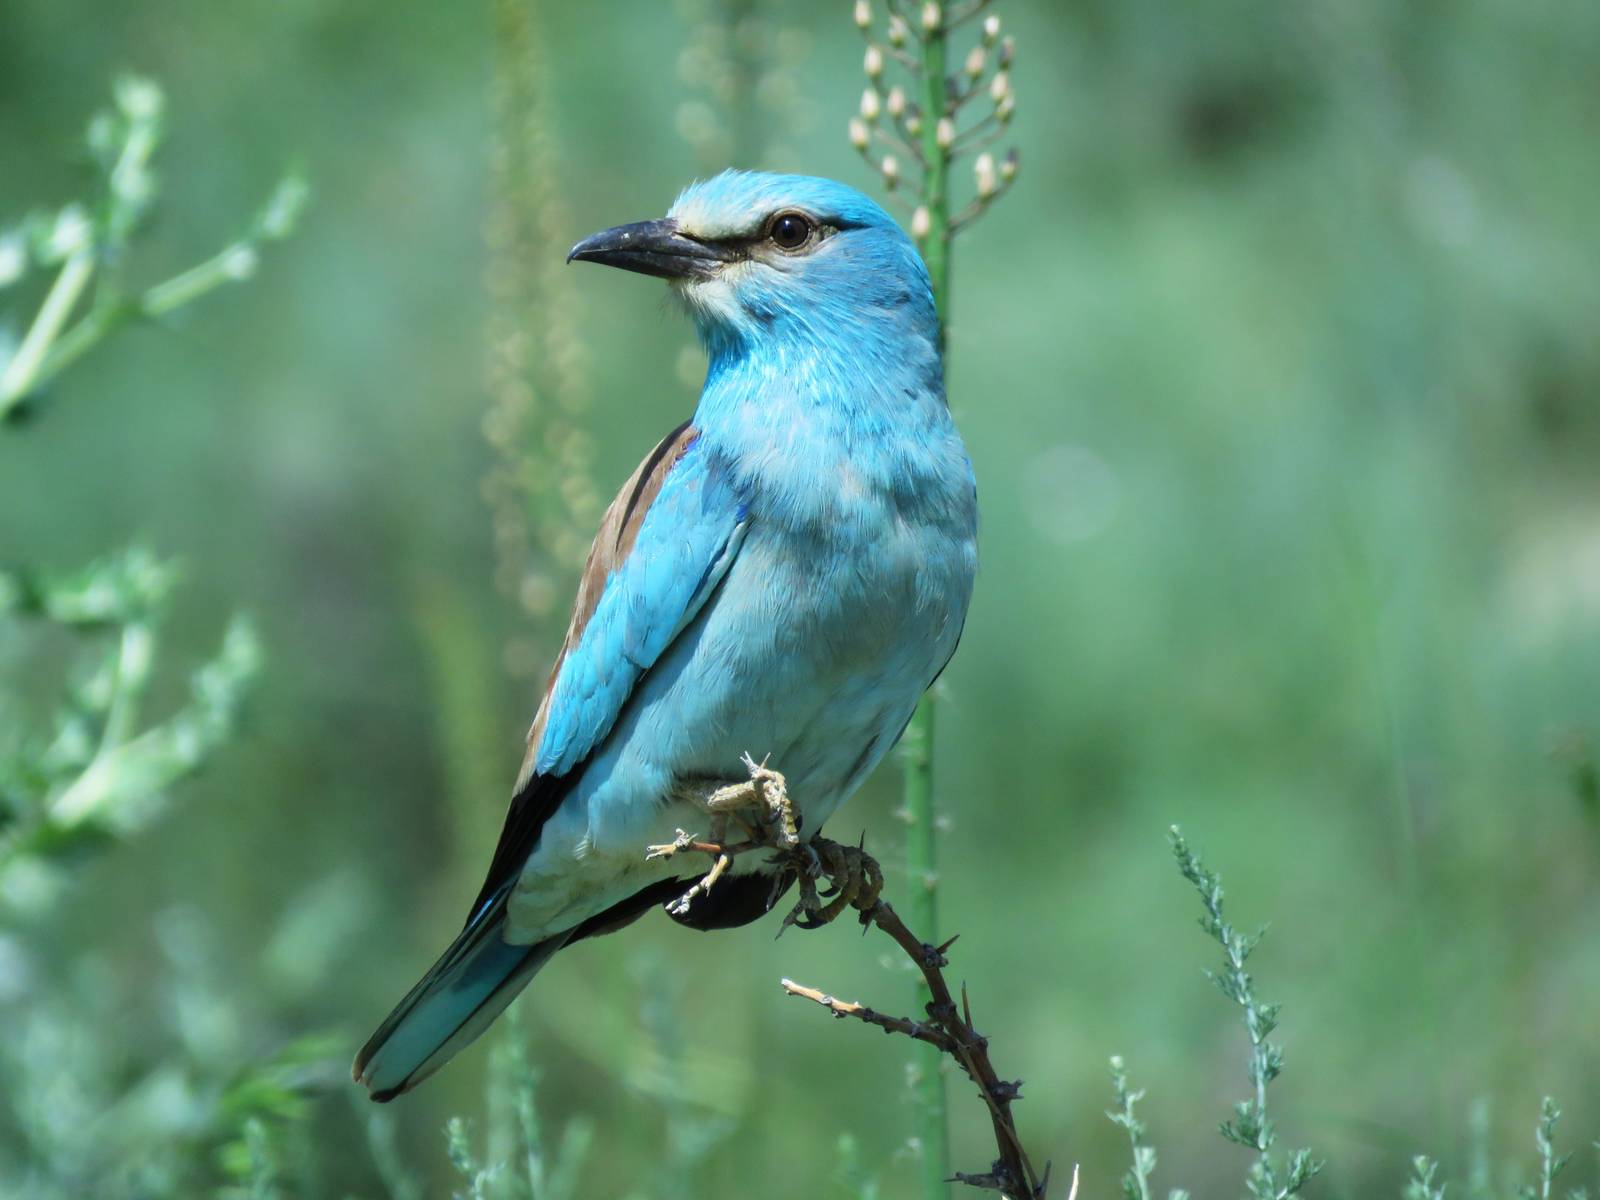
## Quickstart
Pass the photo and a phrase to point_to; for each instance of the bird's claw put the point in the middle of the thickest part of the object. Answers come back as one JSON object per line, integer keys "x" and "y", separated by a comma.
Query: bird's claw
{"x": 854, "y": 879}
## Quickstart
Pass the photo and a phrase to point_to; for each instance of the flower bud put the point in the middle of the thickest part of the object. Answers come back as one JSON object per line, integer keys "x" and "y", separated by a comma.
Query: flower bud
{"x": 863, "y": 14}
{"x": 945, "y": 133}
{"x": 999, "y": 86}
{"x": 920, "y": 222}
{"x": 891, "y": 172}
{"x": 858, "y": 133}
{"x": 898, "y": 33}
{"x": 1008, "y": 168}
{"x": 975, "y": 61}
{"x": 932, "y": 17}
{"x": 873, "y": 63}
{"x": 871, "y": 104}
{"x": 1005, "y": 108}
{"x": 913, "y": 122}
{"x": 897, "y": 102}
{"x": 1008, "y": 51}
{"x": 983, "y": 174}
{"x": 991, "y": 29}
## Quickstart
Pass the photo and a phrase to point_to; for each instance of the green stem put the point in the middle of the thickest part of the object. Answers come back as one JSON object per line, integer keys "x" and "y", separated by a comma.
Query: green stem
{"x": 922, "y": 860}
{"x": 229, "y": 265}
{"x": 23, "y": 372}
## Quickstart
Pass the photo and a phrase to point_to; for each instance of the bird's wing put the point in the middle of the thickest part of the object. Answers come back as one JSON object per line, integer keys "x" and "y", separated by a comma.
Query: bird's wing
{"x": 663, "y": 547}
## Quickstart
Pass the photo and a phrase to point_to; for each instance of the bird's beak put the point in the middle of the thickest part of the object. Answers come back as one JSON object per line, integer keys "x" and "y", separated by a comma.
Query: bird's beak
{"x": 652, "y": 248}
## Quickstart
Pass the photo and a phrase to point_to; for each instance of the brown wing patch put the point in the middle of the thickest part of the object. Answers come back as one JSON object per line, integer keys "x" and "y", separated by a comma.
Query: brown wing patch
{"x": 619, "y": 529}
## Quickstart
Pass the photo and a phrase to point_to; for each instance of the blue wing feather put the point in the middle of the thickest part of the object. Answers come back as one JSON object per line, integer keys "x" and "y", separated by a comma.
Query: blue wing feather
{"x": 686, "y": 542}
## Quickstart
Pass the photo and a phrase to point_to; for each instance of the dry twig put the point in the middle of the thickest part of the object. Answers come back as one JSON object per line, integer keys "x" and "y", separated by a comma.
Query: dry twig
{"x": 855, "y": 880}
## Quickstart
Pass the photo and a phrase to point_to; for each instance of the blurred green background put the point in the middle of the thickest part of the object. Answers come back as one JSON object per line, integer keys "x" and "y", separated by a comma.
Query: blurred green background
{"x": 1279, "y": 368}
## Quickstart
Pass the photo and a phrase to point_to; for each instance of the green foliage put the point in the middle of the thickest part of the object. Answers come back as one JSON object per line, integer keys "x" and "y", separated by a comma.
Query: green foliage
{"x": 1136, "y": 1183}
{"x": 1251, "y": 1127}
{"x": 99, "y": 776}
{"x": 89, "y": 238}
{"x": 1270, "y": 1178}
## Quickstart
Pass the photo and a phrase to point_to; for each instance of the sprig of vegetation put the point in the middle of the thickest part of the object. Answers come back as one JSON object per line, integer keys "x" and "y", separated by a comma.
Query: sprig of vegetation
{"x": 99, "y": 777}
{"x": 1421, "y": 1186}
{"x": 1251, "y": 1126}
{"x": 84, "y": 243}
{"x": 1136, "y": 1182}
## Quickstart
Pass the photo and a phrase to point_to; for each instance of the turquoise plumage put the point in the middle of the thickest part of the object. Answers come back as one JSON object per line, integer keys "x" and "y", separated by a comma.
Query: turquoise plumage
{"x": 784, "y": 575}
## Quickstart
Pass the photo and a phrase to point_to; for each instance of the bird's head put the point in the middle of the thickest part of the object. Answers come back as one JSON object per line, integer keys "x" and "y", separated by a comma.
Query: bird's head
{"x": 757, "y": 256}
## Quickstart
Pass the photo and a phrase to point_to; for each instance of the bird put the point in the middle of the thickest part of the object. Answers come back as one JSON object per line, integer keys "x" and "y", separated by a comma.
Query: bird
{"x": 783, "y": 576}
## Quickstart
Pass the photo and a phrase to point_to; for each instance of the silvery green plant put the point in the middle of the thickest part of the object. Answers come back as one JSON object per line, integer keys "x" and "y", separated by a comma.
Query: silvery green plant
{"x": 1275, "y": 1177}
{"x": 81, "y": 246}
{"x": 1270, "y": 1177}
{"x": 97, "y": 774}
{"x": 173, "y": 1110}
{"x": 927, "y": 105}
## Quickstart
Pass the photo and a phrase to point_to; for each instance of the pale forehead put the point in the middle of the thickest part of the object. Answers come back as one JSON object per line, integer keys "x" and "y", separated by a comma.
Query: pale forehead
{"x": 735, "y": 203}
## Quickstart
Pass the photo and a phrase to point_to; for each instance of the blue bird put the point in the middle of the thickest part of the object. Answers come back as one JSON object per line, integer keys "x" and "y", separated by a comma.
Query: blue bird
{"x": 785, "y": 574}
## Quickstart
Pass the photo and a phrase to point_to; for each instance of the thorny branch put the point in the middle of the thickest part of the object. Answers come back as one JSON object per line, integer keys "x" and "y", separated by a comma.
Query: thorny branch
{"x": 853, "y": 879}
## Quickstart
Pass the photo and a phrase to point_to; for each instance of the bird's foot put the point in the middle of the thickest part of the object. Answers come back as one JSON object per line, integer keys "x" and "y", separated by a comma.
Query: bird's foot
{"x": 765, "y": 796}
{"x": 854, "y": 880}
{"x": 761, "y": 805}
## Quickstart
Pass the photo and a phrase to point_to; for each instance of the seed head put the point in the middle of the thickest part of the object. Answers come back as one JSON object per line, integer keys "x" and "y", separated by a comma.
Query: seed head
{"x": 983, "y": 173}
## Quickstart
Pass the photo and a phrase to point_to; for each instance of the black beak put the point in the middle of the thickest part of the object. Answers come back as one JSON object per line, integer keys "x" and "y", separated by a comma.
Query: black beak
{"x": 652, "y": 248}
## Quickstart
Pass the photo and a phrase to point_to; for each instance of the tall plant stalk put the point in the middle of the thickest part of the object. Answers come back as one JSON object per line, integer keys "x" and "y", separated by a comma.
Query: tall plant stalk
{"x": 927, "y": 132}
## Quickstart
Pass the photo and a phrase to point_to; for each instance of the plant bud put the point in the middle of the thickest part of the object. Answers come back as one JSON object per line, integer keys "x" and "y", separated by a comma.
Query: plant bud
{"x": 920, "y": 222}
{"x": 873, "y": 63}
{"x": 863, "y": 14}
{"x": 871, "y": 104}
{"x": 891, "y": 172}
{"x": 898, "y": 33}
{"x": 999, "y": 86}
{"x": 897, "y": 102}
{"x": 1005, "y": 108}
{"x": 913, "y": 122}
{"x": 991, "y": 30}
{"x": 975, "y": 61}
{"x": 858, "y": 133}
{"x": 932, "y": 17}
{"x": 1008, "y": 168}
{"x": 945, "y": 133}
{"x": 983, "y": 174}
{"x": 1008, "y": 51}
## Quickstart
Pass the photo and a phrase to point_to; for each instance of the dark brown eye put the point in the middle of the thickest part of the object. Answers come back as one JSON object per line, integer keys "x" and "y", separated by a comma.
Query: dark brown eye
{"x": 789, "y": 231}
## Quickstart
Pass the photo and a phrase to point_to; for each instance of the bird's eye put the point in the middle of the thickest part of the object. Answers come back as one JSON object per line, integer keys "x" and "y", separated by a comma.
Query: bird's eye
{"x": 789, "y": 231}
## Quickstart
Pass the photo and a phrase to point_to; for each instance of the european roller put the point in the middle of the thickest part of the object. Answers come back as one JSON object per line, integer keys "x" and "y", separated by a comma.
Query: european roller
{"x": 784, "y": 575}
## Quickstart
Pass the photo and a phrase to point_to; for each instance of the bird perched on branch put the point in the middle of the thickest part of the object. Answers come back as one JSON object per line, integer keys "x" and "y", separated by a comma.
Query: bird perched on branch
{"x": 784, "y": 575}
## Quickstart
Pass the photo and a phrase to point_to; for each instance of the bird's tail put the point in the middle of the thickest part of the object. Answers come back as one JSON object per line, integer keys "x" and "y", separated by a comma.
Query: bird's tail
{"x": 452, "y": 1004}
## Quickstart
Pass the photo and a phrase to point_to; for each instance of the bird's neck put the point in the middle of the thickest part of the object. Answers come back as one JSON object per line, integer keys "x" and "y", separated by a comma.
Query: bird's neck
{"x": 805, "y": 414}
